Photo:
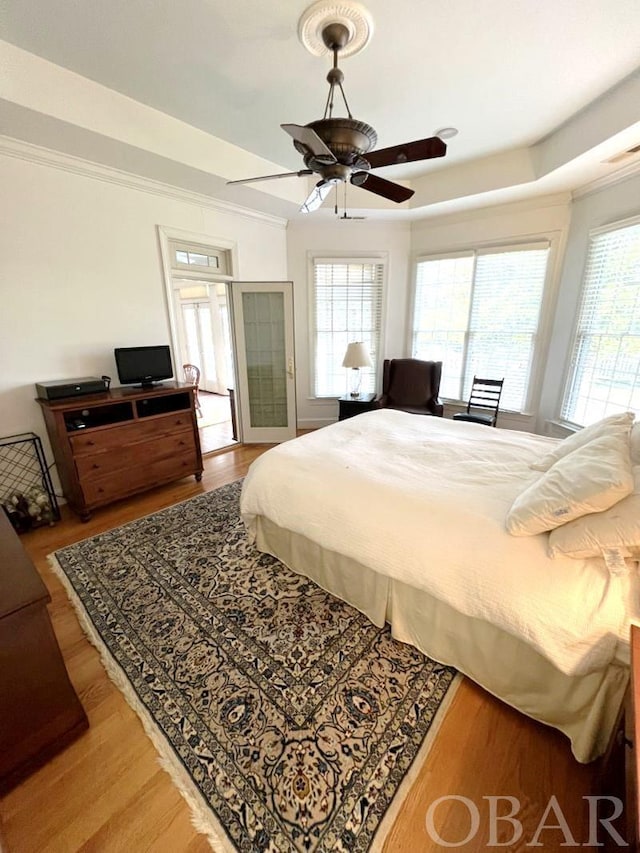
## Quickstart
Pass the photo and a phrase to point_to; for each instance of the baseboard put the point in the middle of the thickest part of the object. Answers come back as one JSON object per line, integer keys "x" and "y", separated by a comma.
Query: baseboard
{"x": 315, "y": 423}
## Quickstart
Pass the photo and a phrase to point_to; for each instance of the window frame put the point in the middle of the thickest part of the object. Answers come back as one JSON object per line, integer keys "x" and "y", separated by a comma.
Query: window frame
{"x": 379, "y": 258}
{"x": 568, "y": 376}
{"x": 554, "y": 241}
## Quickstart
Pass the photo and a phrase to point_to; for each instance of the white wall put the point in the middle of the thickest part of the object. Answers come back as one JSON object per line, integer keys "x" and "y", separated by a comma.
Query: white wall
{"x": 593, "y": 210}
{"x": 546, "y": 217}
{"x": 351, "y": 238}
{"x": 81, "y": 273}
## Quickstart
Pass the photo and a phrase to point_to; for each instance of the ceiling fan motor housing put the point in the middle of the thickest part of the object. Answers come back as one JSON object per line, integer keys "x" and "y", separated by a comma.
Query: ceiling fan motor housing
{"x": 347, "y": 138}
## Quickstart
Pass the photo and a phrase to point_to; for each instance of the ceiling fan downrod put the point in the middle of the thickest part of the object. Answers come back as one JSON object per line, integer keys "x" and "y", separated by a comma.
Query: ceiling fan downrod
{"x": 336, "y": 38}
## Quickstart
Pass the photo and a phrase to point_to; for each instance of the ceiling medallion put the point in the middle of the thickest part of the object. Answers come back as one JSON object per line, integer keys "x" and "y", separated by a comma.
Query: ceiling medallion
{"x": 354, "y": 16}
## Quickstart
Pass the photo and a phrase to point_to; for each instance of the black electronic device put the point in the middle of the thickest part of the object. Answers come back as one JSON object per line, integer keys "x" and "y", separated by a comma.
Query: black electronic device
{"x": 144, "y": 366}
{"x": 58, "y": 389}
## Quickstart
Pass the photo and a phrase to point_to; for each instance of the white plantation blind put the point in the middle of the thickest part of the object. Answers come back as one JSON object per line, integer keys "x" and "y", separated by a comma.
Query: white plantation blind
{"x": 604, "y": 376}
{"x": 347, "y": 306}
{"x": 441, "y": 316}
{"x": 479, "y": 313}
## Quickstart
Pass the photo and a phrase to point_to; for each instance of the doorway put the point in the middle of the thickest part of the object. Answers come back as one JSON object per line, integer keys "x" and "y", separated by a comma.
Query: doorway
{"x": 214, "y": 321}
{"x": 205, "y": 341}
{"x": 202, "y": 335}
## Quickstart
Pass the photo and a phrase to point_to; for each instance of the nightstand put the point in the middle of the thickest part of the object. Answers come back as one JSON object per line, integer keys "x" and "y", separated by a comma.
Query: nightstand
{"x": 350, "y": 406}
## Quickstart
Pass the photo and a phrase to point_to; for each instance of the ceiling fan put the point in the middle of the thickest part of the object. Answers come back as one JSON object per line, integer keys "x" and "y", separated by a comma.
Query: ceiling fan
{"x": 339, "y": 149}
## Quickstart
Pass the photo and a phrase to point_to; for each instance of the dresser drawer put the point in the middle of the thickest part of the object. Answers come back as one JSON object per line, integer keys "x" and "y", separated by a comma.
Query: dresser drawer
{"x": 127, "y": 481}
{"x": 94, "y": 465}
{"x": 123, "y": 434}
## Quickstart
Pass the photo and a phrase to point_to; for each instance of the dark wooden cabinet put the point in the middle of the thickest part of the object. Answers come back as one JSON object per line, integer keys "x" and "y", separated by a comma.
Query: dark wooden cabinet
{"x": 111, "y": 445}
{"x": 632, "y": 744}
{"x": 620, "y": 766}
{"x": 39, "y": 710}
{"x": 350, "y": 406}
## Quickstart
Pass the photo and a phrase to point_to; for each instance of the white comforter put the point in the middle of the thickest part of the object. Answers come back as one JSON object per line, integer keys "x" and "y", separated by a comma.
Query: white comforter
{"x": 423, "y": 500}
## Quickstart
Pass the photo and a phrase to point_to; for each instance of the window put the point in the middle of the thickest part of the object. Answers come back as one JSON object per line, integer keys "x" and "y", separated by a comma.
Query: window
{"x": 198, "y": 259}
{"x": 604, "y": 375}
{"x": 478, "y": 312}
{"x": 347, "y": 306}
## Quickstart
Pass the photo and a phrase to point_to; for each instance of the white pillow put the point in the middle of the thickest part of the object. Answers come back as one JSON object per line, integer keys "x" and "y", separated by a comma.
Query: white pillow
{"x": 590, "y": 479}
{"x": 613, "y": 534}
{"x": 634, "y": 439}
{"x": 612, "y": 425}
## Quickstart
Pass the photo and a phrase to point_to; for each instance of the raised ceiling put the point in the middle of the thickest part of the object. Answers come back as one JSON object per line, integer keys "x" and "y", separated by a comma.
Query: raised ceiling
{"x": 506, "y": 73}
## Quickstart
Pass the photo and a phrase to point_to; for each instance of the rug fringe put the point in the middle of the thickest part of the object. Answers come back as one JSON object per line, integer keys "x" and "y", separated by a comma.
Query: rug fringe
{"x": 202, "y": 817}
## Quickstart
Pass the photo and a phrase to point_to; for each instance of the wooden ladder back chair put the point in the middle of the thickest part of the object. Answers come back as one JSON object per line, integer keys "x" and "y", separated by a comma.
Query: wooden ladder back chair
{"x": 192, "y": 377}
{"x": 483, "y": 403}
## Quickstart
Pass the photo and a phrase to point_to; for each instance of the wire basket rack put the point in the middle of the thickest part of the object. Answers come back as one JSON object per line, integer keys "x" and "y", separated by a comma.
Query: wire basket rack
{"x": 26, "y": 490}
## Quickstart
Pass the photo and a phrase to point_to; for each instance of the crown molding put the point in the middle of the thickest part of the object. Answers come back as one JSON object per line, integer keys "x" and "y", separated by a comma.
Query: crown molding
{"x": 27, "y": 151}
{"x": 609, "y": 180}
{"x": 489, "y": 211}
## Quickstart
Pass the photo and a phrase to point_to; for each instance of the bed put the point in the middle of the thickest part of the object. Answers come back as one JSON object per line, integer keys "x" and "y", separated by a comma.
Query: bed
{"x": 403, "y": 516}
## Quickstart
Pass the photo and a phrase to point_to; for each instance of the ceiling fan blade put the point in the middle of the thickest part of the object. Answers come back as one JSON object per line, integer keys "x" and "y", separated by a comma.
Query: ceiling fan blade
{"x": 380, "y": 186}
{"x": 422, "y": 149}
{"x": 272, "y": 177}
{"x": 317, "y": 196}
{"x": 308, "y": 137}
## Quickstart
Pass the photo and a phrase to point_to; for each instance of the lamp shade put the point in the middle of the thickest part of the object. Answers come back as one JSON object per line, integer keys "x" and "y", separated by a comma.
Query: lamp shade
{"x": 357, "y": 355}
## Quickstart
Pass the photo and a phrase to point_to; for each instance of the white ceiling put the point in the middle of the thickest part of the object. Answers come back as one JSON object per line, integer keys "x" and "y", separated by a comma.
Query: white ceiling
{"x": 506, "y": 73}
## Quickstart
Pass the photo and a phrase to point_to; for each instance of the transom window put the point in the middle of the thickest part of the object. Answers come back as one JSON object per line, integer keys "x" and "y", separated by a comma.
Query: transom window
{"x": 479, "y": 312}
{"x": 193, "y": 258}
{"x": 347, "y": 307}
{"x": 604, "y": 373}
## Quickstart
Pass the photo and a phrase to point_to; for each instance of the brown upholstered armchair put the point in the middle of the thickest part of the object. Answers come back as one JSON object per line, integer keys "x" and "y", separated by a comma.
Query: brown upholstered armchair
{"x": 412, "y": 386}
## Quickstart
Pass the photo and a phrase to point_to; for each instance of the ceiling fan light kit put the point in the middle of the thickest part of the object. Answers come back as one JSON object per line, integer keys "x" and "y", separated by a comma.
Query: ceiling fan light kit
{"x": 337, "y": 148}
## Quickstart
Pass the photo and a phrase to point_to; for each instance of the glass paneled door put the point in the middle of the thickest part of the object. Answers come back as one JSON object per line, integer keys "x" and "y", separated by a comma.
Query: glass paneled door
{"x": 263, "y": 328}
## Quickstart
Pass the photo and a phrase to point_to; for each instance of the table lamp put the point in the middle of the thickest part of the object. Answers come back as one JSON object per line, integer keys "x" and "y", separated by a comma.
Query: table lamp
{"x": 356, "y": 356}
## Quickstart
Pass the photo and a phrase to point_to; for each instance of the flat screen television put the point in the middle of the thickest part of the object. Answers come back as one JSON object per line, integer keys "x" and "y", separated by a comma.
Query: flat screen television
{"x": 144, "y": 366}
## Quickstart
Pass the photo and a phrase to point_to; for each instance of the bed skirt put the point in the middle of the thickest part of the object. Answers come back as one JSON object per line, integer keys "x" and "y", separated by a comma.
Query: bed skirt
{"x": 584, "y": 708}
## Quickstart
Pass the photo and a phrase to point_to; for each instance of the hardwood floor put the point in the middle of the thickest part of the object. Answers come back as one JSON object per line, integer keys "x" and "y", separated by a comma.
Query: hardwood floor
{"x": 106, "y": 792}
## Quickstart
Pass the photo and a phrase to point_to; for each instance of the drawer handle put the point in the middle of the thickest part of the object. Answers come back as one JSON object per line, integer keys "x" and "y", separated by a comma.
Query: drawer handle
{"x": 179, "y": 421}
{"x": 90, "y": 443}
{"x": 95, "y": 465}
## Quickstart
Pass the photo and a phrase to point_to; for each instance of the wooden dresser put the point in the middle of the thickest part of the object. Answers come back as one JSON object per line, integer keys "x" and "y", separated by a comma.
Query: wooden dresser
{"x": 39, "y": 710}
{"x": 111, "y": 445}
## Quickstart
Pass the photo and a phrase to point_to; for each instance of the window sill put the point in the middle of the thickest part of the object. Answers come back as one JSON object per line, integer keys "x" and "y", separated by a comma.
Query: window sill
{"x": 562, "y": 426}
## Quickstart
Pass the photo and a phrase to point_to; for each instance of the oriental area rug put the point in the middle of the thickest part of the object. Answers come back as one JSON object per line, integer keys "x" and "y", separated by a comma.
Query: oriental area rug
{"x": 288, "y": 721}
